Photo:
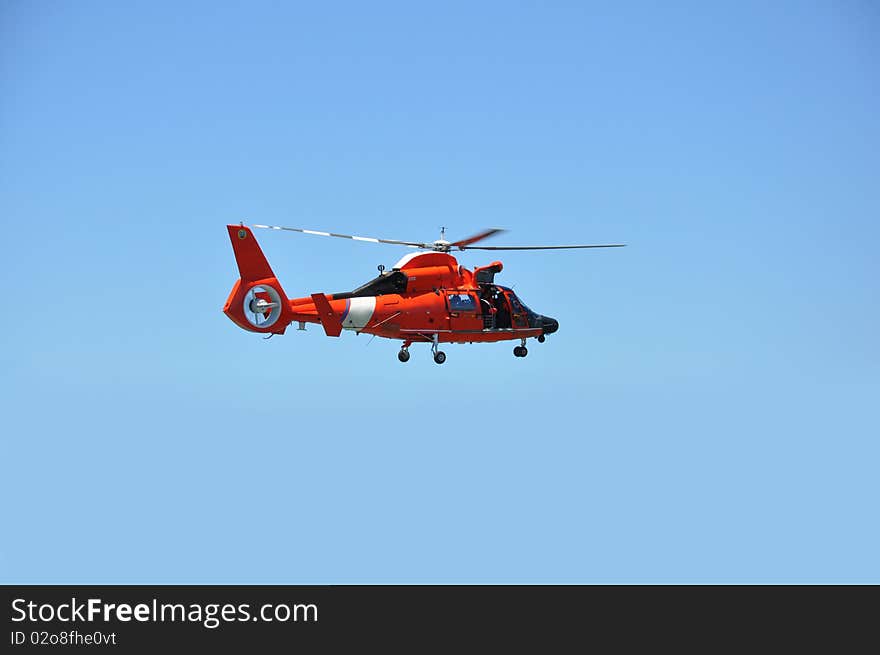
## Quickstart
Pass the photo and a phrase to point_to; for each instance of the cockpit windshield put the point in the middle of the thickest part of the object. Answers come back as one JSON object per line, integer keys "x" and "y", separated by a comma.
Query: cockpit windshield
{"x": 502, "y": 309}
{"x": 519, "y": 307}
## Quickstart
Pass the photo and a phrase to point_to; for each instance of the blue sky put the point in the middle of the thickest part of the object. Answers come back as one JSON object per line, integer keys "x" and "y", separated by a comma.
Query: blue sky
{"x": 708, "y": 411}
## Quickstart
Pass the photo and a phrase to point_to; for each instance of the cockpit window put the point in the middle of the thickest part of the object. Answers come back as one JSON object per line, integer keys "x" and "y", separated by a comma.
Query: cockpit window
{"x": 517, "y": 305}
{"x": 462, "y": 302}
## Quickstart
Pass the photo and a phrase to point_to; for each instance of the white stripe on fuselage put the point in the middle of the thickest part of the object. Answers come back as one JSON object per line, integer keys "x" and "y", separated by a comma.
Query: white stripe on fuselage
{"x": 360, "y": 311}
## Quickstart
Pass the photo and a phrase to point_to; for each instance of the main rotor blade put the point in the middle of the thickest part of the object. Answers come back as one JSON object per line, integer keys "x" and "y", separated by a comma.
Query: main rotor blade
{"x": 411, "y": 244}
{"x": 485, "y": 234}
{"x": 604, "y": 245}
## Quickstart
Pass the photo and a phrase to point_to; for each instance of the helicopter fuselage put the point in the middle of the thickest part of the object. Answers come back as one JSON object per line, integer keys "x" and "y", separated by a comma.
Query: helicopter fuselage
{"x": 426, "y": 297}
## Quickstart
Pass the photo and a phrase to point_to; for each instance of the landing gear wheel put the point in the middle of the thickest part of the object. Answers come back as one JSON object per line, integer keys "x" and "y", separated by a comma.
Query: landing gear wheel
{"x": 403, "y": 355}
{"x": 439, "y": 356}
{"x": 541, "y": 338}
{"x": 520, "y": 351}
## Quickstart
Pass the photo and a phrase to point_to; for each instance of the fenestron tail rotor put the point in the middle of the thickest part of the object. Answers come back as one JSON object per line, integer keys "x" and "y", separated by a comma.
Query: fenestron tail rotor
{"x": 262, "y": 306}
{"x": 442, "y": 245}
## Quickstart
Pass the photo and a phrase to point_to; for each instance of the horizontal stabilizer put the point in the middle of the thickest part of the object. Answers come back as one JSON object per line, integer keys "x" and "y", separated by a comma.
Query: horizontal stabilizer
{"x": 330, "y": 321}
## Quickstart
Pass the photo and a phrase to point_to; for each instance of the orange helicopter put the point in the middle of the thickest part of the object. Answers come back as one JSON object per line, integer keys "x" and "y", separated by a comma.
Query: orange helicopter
{"x": 425, "y": 297}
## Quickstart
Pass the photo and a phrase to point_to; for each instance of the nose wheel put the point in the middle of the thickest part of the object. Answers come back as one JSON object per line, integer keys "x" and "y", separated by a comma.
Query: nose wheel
{"x": 521, "y": 350}
{"x": 439, "y": 356}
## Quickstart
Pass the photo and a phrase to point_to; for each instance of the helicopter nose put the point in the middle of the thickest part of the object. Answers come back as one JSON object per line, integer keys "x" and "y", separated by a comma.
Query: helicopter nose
{"x": 549, "y": 325}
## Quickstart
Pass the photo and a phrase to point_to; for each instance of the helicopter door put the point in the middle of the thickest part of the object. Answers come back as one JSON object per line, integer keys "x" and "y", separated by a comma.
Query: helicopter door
{"x": 518, "y": 316}
{"x": 463, "y": 312}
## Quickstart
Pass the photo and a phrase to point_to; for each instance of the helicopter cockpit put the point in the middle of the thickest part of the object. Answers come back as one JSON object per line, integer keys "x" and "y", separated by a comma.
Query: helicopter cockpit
{"x": 503, "y": 310}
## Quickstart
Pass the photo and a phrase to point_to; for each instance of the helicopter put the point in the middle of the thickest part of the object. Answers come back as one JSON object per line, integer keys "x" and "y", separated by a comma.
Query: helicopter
{"x": 426, "y": 297}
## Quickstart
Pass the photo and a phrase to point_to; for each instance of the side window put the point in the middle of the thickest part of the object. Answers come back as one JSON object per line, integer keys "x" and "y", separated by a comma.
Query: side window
{"x": 461, "y": 302}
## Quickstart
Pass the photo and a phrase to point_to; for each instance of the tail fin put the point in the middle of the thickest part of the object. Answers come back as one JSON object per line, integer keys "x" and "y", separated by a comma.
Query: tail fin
{"x": 257, "y": 284}
{"x": 252, "y": 264}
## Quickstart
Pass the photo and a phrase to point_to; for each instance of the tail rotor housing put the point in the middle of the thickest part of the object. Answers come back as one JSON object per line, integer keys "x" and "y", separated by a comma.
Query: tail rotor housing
{"x": 257, "y": 302}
